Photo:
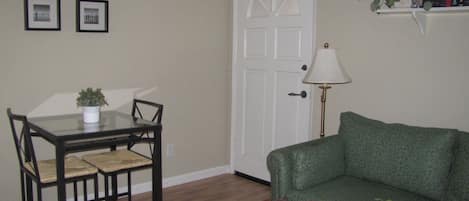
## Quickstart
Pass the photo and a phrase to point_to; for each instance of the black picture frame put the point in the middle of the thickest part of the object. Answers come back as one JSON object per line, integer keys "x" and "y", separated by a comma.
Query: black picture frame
{"x": 40, "y": 16}
{"x": 95, "y": 20}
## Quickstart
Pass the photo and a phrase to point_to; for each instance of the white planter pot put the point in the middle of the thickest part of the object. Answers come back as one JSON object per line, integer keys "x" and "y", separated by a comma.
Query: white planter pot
{"x": 91, "y": 114}
{"x": 91, "y": 127}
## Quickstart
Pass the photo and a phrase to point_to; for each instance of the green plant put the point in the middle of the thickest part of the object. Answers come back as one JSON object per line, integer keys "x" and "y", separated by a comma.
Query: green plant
{"x": 428, "y": 5}
{"x": 377, "y": 4}
{"x": 91, "y": 98}
{"x": 390, "y": 3}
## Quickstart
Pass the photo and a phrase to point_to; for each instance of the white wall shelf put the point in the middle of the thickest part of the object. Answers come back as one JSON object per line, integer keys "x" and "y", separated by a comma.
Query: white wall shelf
{"x": 420, "y": 15}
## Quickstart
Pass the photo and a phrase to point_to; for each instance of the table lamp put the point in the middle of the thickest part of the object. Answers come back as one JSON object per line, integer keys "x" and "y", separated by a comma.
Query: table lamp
{"x": 326, "y": 71}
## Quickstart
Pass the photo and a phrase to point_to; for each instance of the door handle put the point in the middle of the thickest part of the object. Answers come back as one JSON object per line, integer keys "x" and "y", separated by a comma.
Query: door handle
{"x": 303, "y": 94}
{"x": 304, "y": 67}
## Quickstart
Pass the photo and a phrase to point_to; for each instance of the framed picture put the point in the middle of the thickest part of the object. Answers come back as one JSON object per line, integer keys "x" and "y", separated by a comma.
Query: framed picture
{"x": 42, "y": 15}
{"x": 92, "y": 16}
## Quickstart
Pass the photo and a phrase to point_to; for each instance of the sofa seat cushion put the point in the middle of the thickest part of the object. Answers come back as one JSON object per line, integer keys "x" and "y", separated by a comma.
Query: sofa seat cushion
{"x": 412, "y": 158}
{"x": 346, "y": 188}
{"x": 458, "y": 189}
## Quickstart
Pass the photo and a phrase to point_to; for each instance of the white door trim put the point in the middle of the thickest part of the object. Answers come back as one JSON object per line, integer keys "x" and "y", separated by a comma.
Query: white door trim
{"x": 234, "y": 79}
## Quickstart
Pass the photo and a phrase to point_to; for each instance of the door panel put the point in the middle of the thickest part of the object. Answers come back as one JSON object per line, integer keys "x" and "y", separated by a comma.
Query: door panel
{"x": 255, "y": 43}
{"x": 286, "y": 120}
{"x": 288, "y": 41}
{"x": 274, "y": 39}
{"x": 253, "y": 134}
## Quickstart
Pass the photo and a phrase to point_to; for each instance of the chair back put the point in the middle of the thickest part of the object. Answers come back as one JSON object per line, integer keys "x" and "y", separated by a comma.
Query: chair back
{"x": 147, "y": 110}
{"x": 23, "y": 142}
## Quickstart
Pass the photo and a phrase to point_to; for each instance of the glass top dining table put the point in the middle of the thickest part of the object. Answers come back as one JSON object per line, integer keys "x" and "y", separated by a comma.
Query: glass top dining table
{"x": 68, "y": 133}
{"x": 72, "y": 126}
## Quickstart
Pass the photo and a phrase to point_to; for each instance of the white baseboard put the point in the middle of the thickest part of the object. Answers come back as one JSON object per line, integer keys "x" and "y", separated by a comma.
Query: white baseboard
{"x": 194, "y": 176}
{"x": 171, "y": 181}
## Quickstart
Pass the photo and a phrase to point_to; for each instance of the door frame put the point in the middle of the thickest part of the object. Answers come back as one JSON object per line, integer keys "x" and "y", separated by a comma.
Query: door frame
{"x": 234, "y": 86}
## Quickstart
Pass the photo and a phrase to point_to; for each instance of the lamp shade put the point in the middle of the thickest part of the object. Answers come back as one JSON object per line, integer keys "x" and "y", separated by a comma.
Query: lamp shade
{"x": 326, "y": 69}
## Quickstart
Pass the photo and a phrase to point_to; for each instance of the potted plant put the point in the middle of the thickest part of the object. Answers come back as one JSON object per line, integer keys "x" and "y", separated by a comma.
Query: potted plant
{"x": 91, "y": 102}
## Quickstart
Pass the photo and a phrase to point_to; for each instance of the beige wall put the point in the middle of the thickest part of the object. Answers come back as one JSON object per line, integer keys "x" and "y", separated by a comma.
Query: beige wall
{"x": 180, "y": 46}
{"x": 398, "y": 74}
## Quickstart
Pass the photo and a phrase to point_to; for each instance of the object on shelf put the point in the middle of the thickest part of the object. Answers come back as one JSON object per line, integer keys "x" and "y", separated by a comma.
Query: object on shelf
{"x": 417, "y": 3}
{"x": 378, "y": 4}
{"x": 437, "y": 3}
{"x": 403, "y": 4}
{"x": 427, "y": 5}
{"x": 455, "y": 9}
{"x": 448, "y": 3}
{"x": 420, "y": 15}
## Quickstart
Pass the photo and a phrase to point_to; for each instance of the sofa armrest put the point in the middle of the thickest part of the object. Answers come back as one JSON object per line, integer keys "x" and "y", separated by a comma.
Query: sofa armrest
{"x": 317, "y": 165}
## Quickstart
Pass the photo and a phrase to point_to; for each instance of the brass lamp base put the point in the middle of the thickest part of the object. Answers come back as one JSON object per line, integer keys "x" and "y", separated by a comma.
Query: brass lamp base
{"x": 324, "y": 88}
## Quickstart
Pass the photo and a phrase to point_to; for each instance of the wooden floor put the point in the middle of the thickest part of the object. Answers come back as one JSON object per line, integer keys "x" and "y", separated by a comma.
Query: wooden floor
{"x": 225, "y": 187}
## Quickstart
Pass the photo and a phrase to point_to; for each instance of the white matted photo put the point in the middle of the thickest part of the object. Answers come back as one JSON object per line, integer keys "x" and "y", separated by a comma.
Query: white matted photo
{"x": 92, "y": 16}
{"x": 42, "y": 14}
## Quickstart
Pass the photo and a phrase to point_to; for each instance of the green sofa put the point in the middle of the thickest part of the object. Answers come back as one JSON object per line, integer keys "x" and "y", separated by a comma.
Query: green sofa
{"x": 370, "y": 161}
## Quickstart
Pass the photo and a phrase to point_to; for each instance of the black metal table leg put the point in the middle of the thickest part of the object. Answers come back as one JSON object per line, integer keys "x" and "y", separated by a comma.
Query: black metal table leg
{"x": 157, "y": 184}
{"x": 115, "y": 194}
{"x": 95, "y": 185}
{"x": 106, "y": 188}
{"x": 85, "y": 191}
{"x": 23, "y": 196}
{"x": 39, "y": 192}
{"x": 60, "y": 162}
{"x": 75, "y": 191}
{"x": 29, "y": 182}
{"x": 29, "y": 188}
{"x": 129, "y": 185}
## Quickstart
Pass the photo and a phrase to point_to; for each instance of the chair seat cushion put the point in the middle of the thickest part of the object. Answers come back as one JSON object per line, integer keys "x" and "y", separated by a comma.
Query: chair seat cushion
{"x": 117, "y": 160}
{"x": 346, "y": 188}
{"x": 74, "y": 167}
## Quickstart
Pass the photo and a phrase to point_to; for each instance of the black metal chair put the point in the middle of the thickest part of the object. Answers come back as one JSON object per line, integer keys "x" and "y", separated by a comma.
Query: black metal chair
{"x": 112, "y": 163}
{"x": 43, "y": 172}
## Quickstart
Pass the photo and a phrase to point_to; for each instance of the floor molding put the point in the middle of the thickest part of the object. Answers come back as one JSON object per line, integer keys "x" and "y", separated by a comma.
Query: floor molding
{"x": 194, "y": 176}
{"x": 254, "y": 179}
{"x": 171, "y": 181}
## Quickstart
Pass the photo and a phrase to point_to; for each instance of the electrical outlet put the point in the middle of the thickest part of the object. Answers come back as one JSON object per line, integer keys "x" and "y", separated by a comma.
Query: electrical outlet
{"x": 170, "y": 150}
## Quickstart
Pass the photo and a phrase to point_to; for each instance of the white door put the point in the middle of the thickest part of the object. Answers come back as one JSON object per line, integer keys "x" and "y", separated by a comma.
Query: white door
{"x": 273, "y": 48}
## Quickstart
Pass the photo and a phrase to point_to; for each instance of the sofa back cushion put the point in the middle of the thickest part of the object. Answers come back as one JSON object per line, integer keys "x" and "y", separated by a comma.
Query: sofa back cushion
{"x": 458, "y": 188}
{"x": 406, "y": 157}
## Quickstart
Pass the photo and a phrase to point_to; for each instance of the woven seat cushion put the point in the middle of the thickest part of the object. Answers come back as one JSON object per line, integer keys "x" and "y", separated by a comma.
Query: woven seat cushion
{"x": 117, "y": 160}
{"x": 74, "y": 167}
